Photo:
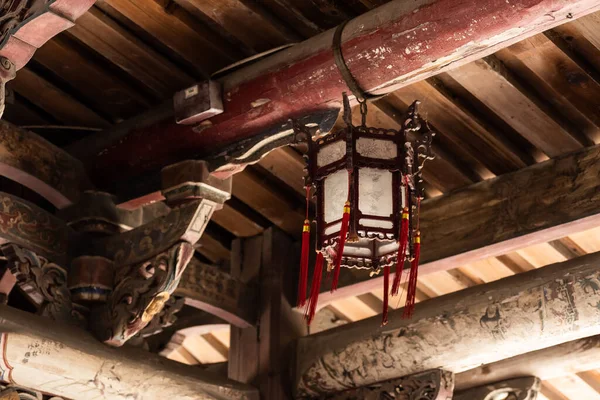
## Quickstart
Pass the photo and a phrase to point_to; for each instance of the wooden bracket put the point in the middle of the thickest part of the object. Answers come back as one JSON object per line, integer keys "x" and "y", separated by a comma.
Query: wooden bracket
{"x": 525, "y": 388}
{"x": 435, "y": 384}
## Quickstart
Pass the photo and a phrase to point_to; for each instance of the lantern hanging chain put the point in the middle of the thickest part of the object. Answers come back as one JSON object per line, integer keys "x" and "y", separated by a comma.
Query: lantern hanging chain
{"x": 357, "y": 91}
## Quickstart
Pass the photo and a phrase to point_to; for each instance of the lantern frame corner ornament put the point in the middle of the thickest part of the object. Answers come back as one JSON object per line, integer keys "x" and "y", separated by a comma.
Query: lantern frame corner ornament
{"x": 368, "y": 187}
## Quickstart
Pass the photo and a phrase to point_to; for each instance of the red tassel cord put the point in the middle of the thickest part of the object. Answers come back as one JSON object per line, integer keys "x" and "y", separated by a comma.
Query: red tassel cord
{"x": 340, "y": 251}
{"x": 402, "y": 244}
{"x": 303, "y": 279}
{"x": 386, "y": 294}
{"x": 311, "y": 307}
{"x": 412, "y": 281}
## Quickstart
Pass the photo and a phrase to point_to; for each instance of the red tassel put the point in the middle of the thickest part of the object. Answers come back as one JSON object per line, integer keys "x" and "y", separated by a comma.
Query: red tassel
{"x": 403, "y": 242}
{"x": 303, "y": 279}
{"x": 412, "y": 282}
{"x": 340, "y": 251}
{"x": 386, "y": 293}
{"x": 311, "y": 307}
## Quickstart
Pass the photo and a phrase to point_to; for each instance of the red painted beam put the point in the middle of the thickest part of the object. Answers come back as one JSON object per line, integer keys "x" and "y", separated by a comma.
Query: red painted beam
{"x": 394, "y": 45}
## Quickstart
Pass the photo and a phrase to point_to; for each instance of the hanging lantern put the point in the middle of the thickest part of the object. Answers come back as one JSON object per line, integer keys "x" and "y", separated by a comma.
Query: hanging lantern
{"x": 368, "y": 187}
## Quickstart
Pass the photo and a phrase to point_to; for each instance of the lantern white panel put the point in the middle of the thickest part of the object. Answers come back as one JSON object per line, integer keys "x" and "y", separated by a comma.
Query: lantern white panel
{"x": 331, "y": 153}
{"x": 375, "y": 223}
{"x": 335, "y": 194}
{"x": 375, "y": 193}
{"x": 333, "y": 228}
{"x": 376, "y": 148}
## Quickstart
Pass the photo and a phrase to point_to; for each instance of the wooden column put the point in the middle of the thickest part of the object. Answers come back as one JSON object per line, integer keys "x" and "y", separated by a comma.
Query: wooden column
{"x": 261, "y": 355}
{"x": 457, "y": 332}
{"x": 69, "y": 362}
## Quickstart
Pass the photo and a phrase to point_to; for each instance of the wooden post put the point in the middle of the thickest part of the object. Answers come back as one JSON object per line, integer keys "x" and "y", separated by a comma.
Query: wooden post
{"x": 459, "y": 331}
{"x": 69, "y": 362}
{"x": 259, "y": 354}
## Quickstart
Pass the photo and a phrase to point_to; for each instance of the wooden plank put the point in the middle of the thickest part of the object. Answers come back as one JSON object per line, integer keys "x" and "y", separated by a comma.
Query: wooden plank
{"x": 288, "y": 166}
{"x": 71, "y": 363}
{"x": 99, "y": 32}
{"x": 256, "y": 191}
{"x": 527, "y": 207}
{"x": 238, "y": 20}
{"x": 456, "y": 332}
{"x": 103, "y": 90}
{"x": 463, "y": 128}
{"x": 192, "y": 44}
{"x": 236, "y": 221}
{"x": 54, "y": 101}
{"x": 392, "y": 46}
{"x": 558, "y": 79}
{"x": 494, "y": 85}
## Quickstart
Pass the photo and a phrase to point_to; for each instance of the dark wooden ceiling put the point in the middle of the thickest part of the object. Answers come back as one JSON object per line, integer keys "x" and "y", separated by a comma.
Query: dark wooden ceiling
{"x": 536, "y": 99}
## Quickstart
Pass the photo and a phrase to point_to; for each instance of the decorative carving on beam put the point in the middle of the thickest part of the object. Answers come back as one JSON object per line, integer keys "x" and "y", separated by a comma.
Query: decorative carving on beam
{"x": 435, "y": 384}
{"x": 513, "y": 389}
{"x": 25, "y": 25}
{"x": 39, "y": 165}
{"x": 44, "y": 283}
{"x": 165, "y": 318}
{"x": 7, "y": 73}
{"x": 31, "y": 227}
{"x": 208, "y": 288}
{"x": 141, "y": 291}
{"x": 18, "y": 393}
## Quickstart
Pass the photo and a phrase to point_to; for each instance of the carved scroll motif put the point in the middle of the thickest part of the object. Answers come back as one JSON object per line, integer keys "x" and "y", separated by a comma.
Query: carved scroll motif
{"x": 165, "y": 318}
{"x": 430, "y": 385}
{"x": 526, "y": 388}
{"x": 141, "y": 292}
{"x": 45, "y": 283}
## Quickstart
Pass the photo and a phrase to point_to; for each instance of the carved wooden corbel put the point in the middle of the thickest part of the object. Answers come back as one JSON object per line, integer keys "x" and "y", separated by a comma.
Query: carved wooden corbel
{"x": 44, "y": 283}
{"x": 526, "y": 388}
{"x": 429, "y": 385}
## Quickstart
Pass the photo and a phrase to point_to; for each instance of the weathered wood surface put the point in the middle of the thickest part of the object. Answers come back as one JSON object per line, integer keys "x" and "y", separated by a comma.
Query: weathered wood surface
{"x": 71, "y": 363}
{"x": 39, "y": 165}
{"x": 526, "y": 388}
{"x": 391, "y": 46}
{"x": 457, "y": 332}
{"x": 564, "y": 359}
{"x": 537, "y": 204}
{"x": 210, "y": 289}
{"x": 27, "y": 225}
{"x": 429, "y": 385}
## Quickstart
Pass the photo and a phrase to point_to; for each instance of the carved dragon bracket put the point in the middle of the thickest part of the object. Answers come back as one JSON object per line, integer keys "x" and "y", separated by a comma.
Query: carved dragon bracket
{"x": 93, "y": 263}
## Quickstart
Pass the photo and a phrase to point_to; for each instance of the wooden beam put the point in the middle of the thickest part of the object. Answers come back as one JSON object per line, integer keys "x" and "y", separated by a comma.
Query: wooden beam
{"x": 210, "y": 289}
{"x": 537, "y": 204}
{"x": 35, "y": 163}
{"x": 456, "y": 332}
{"x": 69, "y": 362}
{"x": 565, "y": 359}
{"x": 394, "y": 45}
